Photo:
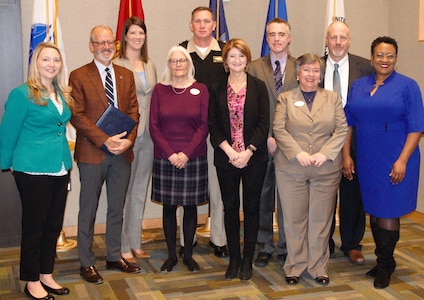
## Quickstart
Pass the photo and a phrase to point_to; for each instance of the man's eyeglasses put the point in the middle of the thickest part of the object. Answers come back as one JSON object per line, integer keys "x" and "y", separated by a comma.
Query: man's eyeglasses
{"x": 176, "y": 61}
{"x": 103, "y": 43}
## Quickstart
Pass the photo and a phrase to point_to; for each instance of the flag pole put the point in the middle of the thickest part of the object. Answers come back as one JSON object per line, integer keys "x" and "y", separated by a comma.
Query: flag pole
{"x": 47, "y": 21}
{"x": 129, "y": 9}
{"x": 217, "y": 20}
{"x": 56, "y": 16}
{"x": 276, "y": 9}
{"x": 334, "y": 10}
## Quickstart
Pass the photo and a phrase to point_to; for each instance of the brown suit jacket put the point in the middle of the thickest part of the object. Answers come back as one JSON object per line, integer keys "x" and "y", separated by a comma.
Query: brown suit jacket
{"x": 296, "y": 129}
{"x": 89, "y": 104}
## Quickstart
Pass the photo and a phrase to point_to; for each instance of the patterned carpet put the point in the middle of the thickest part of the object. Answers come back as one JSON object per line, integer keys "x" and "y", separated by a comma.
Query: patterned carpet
{"x": 347, "y": 281}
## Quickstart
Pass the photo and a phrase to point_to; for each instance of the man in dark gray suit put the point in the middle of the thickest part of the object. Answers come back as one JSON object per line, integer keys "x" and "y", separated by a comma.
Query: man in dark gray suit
{"x": 278, "y": 36}
{"x": 349, "y": 67}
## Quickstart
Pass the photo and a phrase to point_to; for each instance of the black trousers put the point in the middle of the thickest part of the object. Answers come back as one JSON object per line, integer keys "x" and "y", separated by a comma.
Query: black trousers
{"x": 43, "y": 201}
{"x": 229, "y": 179}
{"x": 351, "y": 211}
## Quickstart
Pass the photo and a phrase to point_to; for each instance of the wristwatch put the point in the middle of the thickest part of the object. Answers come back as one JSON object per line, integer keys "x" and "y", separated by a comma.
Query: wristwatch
{"x": 251, "y": 148}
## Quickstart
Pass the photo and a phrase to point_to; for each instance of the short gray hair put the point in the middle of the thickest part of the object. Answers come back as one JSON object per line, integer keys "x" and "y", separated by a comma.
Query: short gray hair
{"x": 309, "y": 58}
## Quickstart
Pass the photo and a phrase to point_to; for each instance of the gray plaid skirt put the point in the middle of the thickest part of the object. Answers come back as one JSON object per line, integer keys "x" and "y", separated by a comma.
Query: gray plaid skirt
{"x": 188, "y": 186}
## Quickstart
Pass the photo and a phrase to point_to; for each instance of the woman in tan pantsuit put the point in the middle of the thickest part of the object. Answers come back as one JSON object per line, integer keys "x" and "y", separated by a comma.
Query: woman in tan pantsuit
{"x": 133, "y": 55}
{"x": 310, "y": 129}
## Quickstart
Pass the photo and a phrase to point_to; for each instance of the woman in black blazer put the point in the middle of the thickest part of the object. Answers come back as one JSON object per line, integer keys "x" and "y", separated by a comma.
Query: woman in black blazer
{"x": 238, "y": 125}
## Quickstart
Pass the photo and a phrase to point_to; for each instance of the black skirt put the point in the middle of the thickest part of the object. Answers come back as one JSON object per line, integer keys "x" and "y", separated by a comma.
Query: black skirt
{"x": 187, "y": 186}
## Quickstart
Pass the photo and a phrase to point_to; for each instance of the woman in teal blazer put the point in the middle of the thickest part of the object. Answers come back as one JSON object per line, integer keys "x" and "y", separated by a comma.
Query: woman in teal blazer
{"x": 33, "y": 145}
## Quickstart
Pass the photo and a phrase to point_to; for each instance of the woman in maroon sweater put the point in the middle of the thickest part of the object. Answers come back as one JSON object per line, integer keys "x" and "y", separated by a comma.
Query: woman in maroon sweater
{"x": 179, "y": 127}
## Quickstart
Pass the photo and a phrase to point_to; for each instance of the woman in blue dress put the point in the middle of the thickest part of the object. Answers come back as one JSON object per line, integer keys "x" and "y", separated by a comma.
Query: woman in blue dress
{"x": 386, "y": 108}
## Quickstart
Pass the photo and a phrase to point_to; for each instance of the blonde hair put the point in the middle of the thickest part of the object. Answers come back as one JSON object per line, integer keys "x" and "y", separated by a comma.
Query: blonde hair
{"x": 37, "y": 90}
{"x": 167, "y": 75}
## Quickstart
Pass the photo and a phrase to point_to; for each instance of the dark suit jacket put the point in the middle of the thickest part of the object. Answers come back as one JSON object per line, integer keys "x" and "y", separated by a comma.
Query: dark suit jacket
{"x": 262, "y": 69}
{"x": 90, "y": 102}
{"x": 358, "y": 67}
{"x": 256, "y": 119}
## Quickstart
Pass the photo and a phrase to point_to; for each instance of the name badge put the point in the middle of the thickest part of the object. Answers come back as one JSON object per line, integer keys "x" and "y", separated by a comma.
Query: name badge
{"x": 217, "y": 59}
{"x": 194, "y": 92}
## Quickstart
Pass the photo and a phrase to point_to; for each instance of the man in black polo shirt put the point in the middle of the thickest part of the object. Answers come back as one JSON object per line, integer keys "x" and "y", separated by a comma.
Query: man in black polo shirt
{"x": 206, "y": 53}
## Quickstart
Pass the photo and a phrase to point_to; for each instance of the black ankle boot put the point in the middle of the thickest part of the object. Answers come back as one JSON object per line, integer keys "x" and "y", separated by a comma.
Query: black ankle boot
{"x": 382, "y": 279}
{"x": 246, "y": 269}
{"x": 232, "y": 269}
{"x": 372, "y": 272}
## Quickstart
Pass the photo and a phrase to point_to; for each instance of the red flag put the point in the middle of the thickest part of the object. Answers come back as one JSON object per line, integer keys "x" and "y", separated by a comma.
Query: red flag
{"x": 128, "y": 8}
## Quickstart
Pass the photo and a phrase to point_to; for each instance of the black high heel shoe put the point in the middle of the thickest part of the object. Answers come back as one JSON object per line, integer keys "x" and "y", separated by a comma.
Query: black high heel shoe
{"x": 48, "y": 297}
{"x": 323, "y": 280}
{"x": 292, "y": 280}
{"x": 60, "y": 292}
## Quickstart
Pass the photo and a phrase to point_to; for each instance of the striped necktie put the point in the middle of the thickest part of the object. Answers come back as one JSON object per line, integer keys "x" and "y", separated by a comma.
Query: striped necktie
{"x": 336, "y": 80}
{"x": 109, "y": 87}
{"x": 278, "y": 77}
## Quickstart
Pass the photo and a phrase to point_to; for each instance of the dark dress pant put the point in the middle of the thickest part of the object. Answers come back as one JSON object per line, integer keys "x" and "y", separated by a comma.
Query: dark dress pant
{"x": 43, "y": 199}
{"x": 265, "y": 239}
{"x": 351, "y": 212}
{"x": 229, "y": 181}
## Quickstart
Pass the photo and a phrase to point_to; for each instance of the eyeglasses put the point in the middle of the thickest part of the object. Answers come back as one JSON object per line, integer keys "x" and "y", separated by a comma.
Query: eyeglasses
{"x": 389, "y": 56}
{"x": 176, "y": 61}
{"x": 103, "y": 43}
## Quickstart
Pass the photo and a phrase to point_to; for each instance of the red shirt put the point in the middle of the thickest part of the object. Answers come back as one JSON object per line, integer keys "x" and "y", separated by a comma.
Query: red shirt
{"x": 179, "y": 120}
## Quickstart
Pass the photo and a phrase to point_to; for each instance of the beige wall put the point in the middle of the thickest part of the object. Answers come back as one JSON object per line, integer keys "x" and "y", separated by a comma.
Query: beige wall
{"x": 167, "y": 24}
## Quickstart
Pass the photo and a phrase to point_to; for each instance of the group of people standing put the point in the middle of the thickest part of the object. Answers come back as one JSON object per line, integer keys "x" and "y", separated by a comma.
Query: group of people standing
{"x": 292, "y": 131}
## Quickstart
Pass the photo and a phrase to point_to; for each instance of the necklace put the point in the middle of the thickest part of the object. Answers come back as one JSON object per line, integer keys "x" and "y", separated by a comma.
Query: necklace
{"x": 237, "y": 84}
{"x": 308, "y": 96}
{"x": 137, "y": 65}
{"x": 178, "y": 93}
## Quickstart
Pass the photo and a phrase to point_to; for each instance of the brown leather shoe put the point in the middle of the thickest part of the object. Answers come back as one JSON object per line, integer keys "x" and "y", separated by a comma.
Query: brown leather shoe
{"x": 91, "y": 275}
{"x": 129, "y": 257}
{"x": 356, "y": 257}
{"x": 140, "y": 253}
{"x": 123, "y": 265}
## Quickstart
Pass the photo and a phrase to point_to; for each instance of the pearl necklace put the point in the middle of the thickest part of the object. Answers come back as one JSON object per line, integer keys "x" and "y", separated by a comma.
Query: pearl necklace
{"x": 178, "y": 93}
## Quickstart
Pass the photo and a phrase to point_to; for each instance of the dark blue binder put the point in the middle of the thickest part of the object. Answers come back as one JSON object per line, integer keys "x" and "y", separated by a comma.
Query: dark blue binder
{"x": 114, "y": 121}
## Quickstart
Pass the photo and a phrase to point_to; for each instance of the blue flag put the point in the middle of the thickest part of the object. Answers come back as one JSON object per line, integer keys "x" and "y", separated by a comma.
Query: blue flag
{"x": 276, "y": 9}
{"x": 221, "y": 24}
